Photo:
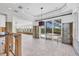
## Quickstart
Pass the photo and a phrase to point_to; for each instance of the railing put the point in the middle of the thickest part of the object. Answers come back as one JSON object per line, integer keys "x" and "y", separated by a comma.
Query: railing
{"x": 13, "y": 44}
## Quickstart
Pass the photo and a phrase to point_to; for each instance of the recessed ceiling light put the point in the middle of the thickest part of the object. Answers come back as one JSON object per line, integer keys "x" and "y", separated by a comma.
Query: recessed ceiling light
{"x": 27, "y": 8}
{"x": 20, "y": 7}
{"x": 41, "y": 7}
{"x": 9, "y": 8}
{"x": 16, "y": 11}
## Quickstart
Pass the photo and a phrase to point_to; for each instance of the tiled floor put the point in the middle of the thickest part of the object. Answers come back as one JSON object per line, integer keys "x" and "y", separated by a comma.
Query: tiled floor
{"x": 42, "y": 47}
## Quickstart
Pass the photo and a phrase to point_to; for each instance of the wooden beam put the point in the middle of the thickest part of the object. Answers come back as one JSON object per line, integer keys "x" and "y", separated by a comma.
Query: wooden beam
{"x": 18, "y": 45}
{"x": 7, "y": 45}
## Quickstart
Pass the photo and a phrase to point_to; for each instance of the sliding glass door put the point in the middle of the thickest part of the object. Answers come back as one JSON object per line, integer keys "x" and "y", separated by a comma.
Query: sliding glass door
{"x": 48, "y": 29}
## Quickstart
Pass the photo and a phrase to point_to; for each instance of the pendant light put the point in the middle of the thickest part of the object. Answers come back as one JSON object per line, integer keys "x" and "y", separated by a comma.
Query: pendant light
{"x": 41, "y": 22}
{"x": 41, "y": 12}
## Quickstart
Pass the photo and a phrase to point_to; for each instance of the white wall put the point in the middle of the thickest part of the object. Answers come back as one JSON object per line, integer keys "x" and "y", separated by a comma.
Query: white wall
{"x": 76, "y": 32}
{"x": 64, "y": 19}
{"x": 2, "y": 20}
{"x": 18, "y": 22}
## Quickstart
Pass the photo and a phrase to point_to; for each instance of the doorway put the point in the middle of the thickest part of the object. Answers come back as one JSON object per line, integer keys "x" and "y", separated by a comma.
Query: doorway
{"x": 67, "y": 33}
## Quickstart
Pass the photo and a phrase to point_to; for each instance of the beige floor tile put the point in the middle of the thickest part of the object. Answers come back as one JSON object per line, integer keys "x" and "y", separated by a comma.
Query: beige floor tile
{"x": 42, "y": 47}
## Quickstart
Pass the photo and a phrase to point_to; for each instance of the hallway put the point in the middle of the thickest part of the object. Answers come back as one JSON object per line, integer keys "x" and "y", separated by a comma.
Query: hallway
{"x": 39, "y": 29}
{"x": 42, "y": 47}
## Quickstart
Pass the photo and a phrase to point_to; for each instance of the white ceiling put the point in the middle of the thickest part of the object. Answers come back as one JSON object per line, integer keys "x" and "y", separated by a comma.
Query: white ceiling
{"x": 30, "y": 10}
